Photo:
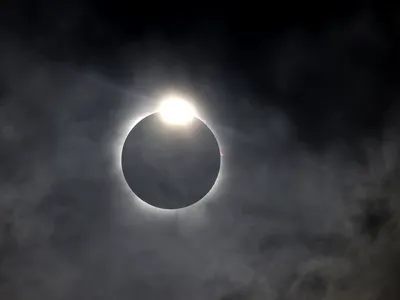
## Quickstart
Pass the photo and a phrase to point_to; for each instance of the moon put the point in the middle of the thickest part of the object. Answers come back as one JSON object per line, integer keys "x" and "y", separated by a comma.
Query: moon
{"x": 169, "y": 160}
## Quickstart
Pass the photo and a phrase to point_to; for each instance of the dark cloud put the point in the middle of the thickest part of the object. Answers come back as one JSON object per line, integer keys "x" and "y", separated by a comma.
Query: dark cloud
{"x": 289, "y": 220}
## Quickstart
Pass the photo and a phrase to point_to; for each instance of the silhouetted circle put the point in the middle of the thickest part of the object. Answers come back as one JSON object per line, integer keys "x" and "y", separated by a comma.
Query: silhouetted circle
{"x": 170, "y": 166}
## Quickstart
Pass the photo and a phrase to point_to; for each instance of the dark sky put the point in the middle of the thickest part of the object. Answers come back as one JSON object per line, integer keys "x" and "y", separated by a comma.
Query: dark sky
{"x": 302, "y": 99}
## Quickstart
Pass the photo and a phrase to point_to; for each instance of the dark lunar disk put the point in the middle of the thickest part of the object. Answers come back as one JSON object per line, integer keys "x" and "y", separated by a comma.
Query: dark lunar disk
{"x": 170, "y": 166}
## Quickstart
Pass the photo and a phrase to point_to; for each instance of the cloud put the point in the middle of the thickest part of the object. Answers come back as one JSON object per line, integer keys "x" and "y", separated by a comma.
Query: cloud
{"x": 289, "y": 222}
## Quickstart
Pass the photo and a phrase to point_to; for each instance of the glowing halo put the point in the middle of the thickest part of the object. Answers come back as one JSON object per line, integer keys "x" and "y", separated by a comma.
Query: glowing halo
{"x": 123, "y": 133}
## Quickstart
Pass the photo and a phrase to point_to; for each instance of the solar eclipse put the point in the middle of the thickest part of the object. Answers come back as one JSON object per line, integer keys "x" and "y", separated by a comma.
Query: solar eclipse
{"x": 171, "y": 159}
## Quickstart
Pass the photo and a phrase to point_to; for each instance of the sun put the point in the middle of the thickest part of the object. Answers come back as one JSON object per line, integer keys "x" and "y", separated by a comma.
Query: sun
{"x": 176, "y": 111}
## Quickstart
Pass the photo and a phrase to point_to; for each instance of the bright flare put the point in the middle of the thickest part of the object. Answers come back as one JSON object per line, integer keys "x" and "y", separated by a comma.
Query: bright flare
{"x": 177, "y": 111}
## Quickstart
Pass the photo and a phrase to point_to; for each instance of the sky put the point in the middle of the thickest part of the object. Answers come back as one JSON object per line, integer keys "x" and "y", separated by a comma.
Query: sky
{"x": 302, "y": 100}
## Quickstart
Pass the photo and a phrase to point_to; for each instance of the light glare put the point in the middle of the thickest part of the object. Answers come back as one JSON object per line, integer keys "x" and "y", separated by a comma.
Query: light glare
{"x": 177, "y": 111}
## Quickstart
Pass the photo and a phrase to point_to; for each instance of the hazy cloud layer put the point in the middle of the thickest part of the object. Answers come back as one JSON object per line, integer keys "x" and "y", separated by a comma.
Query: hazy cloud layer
{"x": 287, "y": 222}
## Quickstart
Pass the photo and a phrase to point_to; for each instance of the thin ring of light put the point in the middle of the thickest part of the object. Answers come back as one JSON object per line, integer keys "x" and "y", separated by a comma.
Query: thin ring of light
{"x": 123, "y": 134}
